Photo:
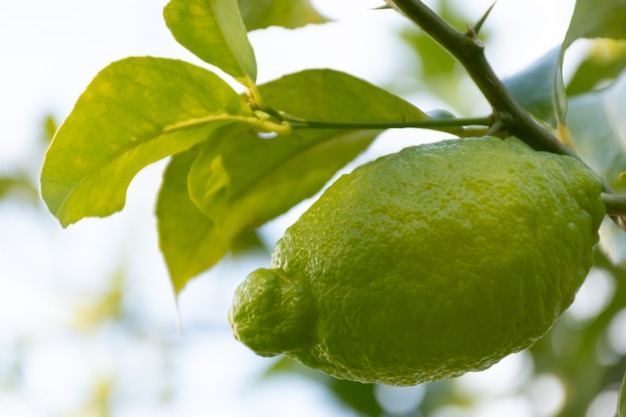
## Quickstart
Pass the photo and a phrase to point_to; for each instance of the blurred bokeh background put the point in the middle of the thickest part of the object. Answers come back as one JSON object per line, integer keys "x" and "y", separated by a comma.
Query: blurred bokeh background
{"x": 89, "y": 325}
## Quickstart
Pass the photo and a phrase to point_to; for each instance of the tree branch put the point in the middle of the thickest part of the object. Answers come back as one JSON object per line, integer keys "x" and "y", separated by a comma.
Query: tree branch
{"x": 469, "y": 51}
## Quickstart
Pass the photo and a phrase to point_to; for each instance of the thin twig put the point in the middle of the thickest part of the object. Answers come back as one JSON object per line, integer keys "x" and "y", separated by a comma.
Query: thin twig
{"x": 438, "y": 124}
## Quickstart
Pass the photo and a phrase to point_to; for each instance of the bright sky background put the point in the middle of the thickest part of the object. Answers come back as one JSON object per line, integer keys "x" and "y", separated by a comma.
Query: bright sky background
{"x": 49, "y": 52}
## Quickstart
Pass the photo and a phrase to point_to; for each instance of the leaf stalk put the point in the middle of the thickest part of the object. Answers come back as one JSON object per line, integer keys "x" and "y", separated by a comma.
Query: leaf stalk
{"x": 436, "y": 124}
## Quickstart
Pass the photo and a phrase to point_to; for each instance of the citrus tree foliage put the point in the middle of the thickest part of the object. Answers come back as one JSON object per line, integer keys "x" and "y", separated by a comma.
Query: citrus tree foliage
{"x": 238, "y": 160}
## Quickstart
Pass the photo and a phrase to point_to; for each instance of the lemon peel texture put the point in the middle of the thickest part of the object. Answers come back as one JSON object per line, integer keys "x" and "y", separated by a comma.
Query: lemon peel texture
{"x": 427, "y": 263}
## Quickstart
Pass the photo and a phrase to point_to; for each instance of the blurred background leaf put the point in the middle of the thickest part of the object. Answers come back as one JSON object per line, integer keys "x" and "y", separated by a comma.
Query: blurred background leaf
{"x": 19, "y": 186}
{"x": 597, "y": 19}
{"x": 596, "y": 120}
{"x": 602, "y": 63}
{"x": 291, "y": 14}
{"x": 436, "y": 70}
{"x": 537, "y": 86}
{"x": 540, "y": 87}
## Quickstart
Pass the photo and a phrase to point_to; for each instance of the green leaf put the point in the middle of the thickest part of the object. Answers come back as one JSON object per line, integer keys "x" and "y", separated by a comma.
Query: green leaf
{"x": 188, "y": 238}
{"x": 599, "y": 133}
{"x": 596, "y": 120}
{"x": 291, "y": 14}
{"x": 214, "y": 31}
{"x": 243, "y": 180}
{"x": 436, "y": 61}
{"x": 546, "y": 99}
{"x": 597, "y": 19}
{"x": 135, "y": 112}
{"x": 605, "y": 60}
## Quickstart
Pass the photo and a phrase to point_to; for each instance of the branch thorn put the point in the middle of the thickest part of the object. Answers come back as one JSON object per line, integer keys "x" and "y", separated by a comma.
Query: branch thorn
{"x": 474, "y": 30}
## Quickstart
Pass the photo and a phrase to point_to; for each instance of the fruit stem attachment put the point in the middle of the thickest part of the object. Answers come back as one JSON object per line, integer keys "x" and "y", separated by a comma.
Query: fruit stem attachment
{"x": 615, "y": 204}
{"x": 615, "y": 208}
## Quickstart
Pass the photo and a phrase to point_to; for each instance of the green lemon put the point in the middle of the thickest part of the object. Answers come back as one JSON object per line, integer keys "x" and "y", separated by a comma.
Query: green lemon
{"x": 426, "y": 264}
